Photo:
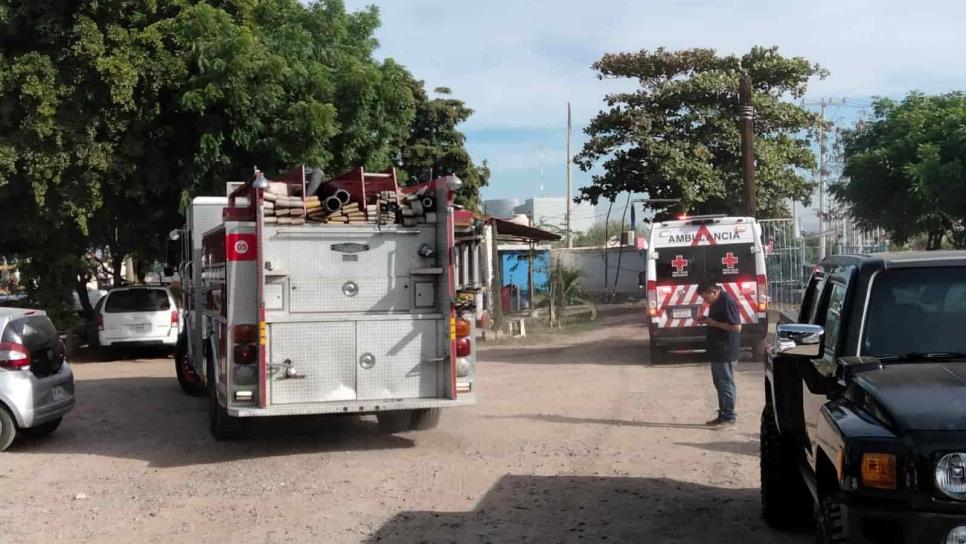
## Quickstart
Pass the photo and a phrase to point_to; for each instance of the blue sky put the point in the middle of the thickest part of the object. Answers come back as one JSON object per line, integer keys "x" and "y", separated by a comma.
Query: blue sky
{"x": 517, "y": 63}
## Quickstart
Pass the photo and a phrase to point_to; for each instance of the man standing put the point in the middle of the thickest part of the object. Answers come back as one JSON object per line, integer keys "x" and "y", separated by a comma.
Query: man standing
{"x": 723, "y": 348}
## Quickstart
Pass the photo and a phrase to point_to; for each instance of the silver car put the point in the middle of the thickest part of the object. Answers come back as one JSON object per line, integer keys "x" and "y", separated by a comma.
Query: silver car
{"x": 36, "y": 385}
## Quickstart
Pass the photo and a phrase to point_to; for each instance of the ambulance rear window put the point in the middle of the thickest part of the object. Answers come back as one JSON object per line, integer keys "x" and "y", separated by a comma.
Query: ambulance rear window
{"x": 680, "y": 265}
{"x": 727, "y": 263}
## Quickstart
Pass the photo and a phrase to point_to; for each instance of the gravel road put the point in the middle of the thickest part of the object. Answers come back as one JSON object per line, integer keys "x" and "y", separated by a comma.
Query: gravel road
{"x": 579, "y": 440}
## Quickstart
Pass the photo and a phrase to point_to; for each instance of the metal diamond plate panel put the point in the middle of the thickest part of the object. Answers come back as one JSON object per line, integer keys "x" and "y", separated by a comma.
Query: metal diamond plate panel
{"x": 404, "y": 354}
{"x": 325, "y": 353}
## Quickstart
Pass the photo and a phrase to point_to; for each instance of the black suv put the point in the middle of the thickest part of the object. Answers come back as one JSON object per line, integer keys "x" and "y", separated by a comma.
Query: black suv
{"x": 865, "y": 416}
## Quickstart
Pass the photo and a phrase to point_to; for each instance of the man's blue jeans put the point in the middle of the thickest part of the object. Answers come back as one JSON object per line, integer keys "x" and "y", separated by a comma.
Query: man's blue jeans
{"x": 723, "y": 375}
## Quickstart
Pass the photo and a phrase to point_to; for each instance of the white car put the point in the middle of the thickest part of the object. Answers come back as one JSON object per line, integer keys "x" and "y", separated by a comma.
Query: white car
{"x": 131, "y": 316}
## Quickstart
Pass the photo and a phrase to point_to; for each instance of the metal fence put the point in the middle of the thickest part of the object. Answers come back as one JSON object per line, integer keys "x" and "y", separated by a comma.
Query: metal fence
{"x": 790, "y": 257}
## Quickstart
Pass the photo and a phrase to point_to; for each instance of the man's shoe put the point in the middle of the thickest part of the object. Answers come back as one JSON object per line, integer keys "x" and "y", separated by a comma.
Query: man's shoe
{"x": 720, "y": 422}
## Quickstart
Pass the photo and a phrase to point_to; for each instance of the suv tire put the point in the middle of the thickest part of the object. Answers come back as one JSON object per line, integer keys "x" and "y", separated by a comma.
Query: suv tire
{"x": 425, "y": 419}
{"x": 189, "y": 380}
{"x": 785, "y": 501}
{"x": 829, "y": 525}
{"x": 8, "y": 429}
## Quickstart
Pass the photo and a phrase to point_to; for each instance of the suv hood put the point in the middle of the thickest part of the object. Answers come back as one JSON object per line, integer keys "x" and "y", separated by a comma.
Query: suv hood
{"x": 918, "y": 396}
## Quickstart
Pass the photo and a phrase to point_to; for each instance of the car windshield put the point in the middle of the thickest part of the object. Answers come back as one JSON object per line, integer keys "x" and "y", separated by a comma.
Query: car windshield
{"x": 921, "y": 311}
{"x": 137, "y": 300}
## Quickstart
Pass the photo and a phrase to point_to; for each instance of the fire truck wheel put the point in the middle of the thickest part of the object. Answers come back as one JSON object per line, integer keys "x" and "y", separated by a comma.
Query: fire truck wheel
{"x": 658, "y": 354}
{"x": 395, "y": 421}
{"x": 425, "y": 419}
{"x": 189, "y": 380}
{"x": 221, "y": 425}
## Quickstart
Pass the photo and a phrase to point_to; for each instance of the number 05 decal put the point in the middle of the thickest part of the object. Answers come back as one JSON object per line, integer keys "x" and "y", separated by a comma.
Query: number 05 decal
{"x": 240, "y": 247}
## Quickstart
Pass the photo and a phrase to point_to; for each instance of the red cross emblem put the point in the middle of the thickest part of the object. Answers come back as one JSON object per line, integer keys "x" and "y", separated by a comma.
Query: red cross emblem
{"x": 729, "y": 260}
{"x": 680, "y": 263}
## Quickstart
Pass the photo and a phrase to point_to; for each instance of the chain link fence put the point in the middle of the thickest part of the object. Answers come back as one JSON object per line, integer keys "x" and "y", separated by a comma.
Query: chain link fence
{"x": 791, "y": 257}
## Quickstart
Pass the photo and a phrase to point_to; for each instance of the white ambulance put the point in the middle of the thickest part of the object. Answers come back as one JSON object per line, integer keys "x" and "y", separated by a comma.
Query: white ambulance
{"x": 710, "y": 248}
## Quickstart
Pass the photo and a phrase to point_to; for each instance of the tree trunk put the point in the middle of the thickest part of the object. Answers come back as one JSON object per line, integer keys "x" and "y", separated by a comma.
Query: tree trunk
{"x": 117, "y": 262}
{"x": 85, "y": 300}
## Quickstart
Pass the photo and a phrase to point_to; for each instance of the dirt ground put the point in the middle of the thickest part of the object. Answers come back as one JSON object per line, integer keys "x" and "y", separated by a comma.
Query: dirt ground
{"x": 580, "y": 440}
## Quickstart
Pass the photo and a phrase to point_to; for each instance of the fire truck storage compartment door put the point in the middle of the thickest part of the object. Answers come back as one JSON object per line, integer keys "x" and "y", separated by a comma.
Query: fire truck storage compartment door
{"x": 325, "y": 353}
{"x": 339, "y": 269}
{"x": 401, "y": 356}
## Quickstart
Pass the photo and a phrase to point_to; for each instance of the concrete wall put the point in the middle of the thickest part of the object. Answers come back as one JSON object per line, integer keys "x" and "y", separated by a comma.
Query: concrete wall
{"x": 591, "y": 263}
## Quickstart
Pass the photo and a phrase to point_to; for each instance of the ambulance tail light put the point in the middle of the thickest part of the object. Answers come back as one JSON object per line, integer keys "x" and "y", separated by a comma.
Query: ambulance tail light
{"x": 762, "y": 293}
{"x": 652, "y": 309}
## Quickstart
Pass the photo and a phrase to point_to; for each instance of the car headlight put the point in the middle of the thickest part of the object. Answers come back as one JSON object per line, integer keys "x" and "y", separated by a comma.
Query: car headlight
{"x": 951, "y": 475}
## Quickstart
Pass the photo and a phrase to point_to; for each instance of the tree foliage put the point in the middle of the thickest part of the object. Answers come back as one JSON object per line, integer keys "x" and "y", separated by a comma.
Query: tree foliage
{"x": 435, "y": 145}
{"x": 678, "y": 137}
{"x": 904, "y": 169}
{"x": 114, "y": 113}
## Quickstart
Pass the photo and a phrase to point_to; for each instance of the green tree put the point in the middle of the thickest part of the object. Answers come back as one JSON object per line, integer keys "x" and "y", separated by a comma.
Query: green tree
{"x": 904, "y": 169}
{"x": 677, "y": 136}
{"x": 598, "y": 234}
{"x": 114, "y": 113}
{"x": 436, "y": 147}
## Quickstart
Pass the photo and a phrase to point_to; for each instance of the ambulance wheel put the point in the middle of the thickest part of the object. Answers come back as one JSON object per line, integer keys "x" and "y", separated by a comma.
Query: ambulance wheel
{"x": 758, "y": 351}
{"x": 221, "y": 425}
{"x": 425, "y": 419}
{"x": 395, "y": 421}
{"x": 189, "y": 380}
{"x": 658, "y": 354}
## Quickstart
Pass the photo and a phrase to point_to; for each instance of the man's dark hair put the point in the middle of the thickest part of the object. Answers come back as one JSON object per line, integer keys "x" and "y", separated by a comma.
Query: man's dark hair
{"x": 706, "y": 286}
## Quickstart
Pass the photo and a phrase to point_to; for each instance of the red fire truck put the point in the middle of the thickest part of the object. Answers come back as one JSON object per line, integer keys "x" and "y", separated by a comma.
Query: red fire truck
{"x": 368, "y": 311}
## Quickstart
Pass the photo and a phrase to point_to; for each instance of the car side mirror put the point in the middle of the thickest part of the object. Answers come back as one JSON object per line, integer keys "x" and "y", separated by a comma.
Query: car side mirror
{"x": 800, "y": 340}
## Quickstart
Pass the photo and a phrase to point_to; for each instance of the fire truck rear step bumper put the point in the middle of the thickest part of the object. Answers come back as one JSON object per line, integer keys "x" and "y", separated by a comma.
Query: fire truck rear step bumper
{"x": 356, "y": 407}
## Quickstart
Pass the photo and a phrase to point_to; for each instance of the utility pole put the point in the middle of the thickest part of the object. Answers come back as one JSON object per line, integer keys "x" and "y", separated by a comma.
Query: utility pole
{"x": 747, "y": 112}
{"x": 570, "y": 181}
{"x": 821, "y": 183}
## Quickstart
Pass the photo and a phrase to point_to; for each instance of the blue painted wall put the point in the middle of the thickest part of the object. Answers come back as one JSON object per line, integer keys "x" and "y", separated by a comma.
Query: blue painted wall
{"x": 516, "y": 269}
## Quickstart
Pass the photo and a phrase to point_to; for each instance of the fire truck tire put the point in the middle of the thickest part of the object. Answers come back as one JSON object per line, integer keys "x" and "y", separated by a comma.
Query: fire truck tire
{"x": 395, "y": 421}
{"x": 189, "y": 380}
{"x": 221, "y": 425}
{"x": 425, "y": 419}
{"x": 658, "y": 354}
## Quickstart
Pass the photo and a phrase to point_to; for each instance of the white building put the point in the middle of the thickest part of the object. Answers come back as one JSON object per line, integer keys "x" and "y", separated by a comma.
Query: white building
{"x": 545, "y": 211}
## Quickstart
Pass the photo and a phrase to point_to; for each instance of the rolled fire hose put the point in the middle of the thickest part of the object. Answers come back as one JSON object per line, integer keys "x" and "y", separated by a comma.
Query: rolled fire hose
{"x": 333, "y": 204}
{"x": 429, "y": 203}
{"x": 343, "y": 196}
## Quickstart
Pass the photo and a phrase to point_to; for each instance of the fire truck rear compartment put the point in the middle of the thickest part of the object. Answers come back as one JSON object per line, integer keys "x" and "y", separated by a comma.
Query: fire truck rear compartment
{"x": 353, "y": 314}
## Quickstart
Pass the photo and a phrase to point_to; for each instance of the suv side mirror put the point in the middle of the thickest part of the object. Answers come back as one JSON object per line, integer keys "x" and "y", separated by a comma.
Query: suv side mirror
{"x": 800, "y": 340}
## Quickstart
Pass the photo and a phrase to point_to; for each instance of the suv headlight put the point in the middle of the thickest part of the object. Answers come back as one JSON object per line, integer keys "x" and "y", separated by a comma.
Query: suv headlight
{"x": 951, "y": 475}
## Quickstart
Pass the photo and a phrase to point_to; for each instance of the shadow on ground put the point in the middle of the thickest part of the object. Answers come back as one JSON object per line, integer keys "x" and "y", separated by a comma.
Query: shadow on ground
{"x": 552, "y": 509}
{"x": 556, "y": 418}
{"x": 628, "y": 351}
{"x": 91, "y": 354}
{"x": 744, "y": 447}
{"x": 150, "y": 419}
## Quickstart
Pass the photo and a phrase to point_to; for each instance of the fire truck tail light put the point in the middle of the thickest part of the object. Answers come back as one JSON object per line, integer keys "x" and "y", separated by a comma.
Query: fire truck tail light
{"x": 464, "y": 387}
{"x": 245, "y": 354}
{"x": 14, "y": 356}
{"x": 244, "y": 334}
{"x": 463, "y": 347}
{"x": 244, "y": 396}
{"x": 462, "y": 328}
